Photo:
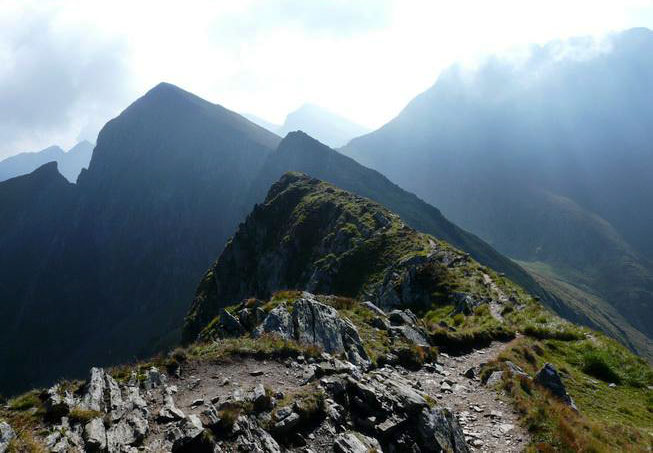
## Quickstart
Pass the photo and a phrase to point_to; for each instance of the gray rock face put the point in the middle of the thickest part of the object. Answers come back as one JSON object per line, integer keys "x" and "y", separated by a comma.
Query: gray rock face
{"x": 124, "y": 411}
{"x": 251, "y": 437}
{"x": 6, "y": 435}
{"x": 494, "y": 379}
{"x": 170, "y": 412}
{"x": 251, "y": 317}
{"x": 316, "y": 323}
{"x": 65, "y": 438}
{"x": 464, "y": 303}
{"x": 384, "y": 405}
{"x": 287, "y": 423}
{"x": 94, "y": 396}
{"x": 549, "y": 378}
{"x": 352, "y": 442}
{"x": 374, "y": 308}
{"x": 385, "y": 394}
{"x": 95, "y": 435}
{"x": 402, "y": 317}
{"x": 312, "y": 322}
{"x": 412, "y": 334}
{"x": 185, "y": 432}
{"x": 230, "y": 325}
{"x": 279, "y": 322}
{"x": 438, "y": 431}
{"x": 58, "y": 401}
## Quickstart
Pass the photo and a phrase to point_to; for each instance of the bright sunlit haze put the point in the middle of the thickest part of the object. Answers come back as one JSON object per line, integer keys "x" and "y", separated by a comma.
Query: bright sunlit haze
{"x": 66, "y": 67}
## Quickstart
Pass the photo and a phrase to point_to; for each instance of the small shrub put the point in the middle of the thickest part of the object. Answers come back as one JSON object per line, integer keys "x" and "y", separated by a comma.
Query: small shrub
{"x": 458, "y": 319}
{"x": 228, "y": 417}
{"x": 172, "y": 366}
{"x": 414, "y": 357}
{"x": 179, "y": 354}
{"x": 82, "y": 416}
{"x": 342, "y": 303}
{"x": 526, "y": 384}
{"x": 562, "y": 333}
{"x": 596, "y": 364}
{"x": 26, "y": 401}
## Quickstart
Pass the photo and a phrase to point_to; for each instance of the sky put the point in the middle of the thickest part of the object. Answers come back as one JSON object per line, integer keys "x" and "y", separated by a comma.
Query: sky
{"x": 68, "y": 66}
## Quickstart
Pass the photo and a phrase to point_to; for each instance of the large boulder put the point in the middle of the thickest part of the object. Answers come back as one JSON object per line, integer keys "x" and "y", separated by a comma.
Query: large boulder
{"x": 549, "y": 378}
{"x": 312, "y": 322}
{"x": 439, "y": 431}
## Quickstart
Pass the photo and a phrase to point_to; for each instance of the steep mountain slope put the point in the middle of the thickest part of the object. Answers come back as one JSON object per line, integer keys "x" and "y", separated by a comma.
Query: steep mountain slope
{"x": 548, "y": 160}
{"x": 328, "y": 241}
{"x": 327, "y": 127}
{"x": 117, "y": 258}
{"x": 261, "y": 122}
{"x": 299, "y": 152}
{"x": 28, "y": 247}
{"x": 70, "y": 162}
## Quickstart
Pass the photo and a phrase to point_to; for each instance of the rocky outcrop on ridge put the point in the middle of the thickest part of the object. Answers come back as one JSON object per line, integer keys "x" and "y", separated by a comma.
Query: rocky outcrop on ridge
{"x": 309, "y": 235}
{"x": 348, "y": 411}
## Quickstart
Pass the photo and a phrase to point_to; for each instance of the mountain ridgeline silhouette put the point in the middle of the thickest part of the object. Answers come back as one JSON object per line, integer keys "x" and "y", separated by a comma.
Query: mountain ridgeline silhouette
{"x": 103, "y": 271}
{"x": 70, "y": 163}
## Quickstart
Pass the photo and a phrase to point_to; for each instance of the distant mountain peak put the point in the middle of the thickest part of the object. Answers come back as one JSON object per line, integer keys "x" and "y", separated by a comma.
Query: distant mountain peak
{"x": 329, "y": 128}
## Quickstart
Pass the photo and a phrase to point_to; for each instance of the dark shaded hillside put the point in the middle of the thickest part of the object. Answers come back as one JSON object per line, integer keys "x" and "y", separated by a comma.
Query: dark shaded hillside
{"x": 120, "y": 253}
{"x": 299, "y": 152}
{"x": 30, "y": 271}
{"x": 114, "y": 259}
{"x": 549, "y": 160}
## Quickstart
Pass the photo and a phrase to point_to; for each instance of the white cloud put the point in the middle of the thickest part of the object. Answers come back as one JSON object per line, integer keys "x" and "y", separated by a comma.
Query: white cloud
{"x": 363, "y": 59}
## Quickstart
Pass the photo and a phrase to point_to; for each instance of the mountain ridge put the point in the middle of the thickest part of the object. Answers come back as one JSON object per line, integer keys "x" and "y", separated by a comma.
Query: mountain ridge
{"x": 520, "y": 154}
{"x": 70, "y": 162}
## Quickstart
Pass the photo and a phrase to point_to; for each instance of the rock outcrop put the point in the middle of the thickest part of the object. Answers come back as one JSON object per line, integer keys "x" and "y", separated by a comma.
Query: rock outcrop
{"x": 6, "y": 435}
{"x": 384, "y": 405}
{"x": 332, "y": 242}
{"x": 549, "y": 378}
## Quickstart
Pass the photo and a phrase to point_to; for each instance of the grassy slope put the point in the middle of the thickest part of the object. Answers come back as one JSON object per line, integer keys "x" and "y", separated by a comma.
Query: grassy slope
{"x": 593, "y": 306}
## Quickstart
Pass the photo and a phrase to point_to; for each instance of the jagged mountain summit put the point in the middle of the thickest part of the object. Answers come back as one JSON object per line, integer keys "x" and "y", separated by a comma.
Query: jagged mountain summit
{"x": 119, "y": 252}
{"x": 70, "y": 162}
{"x": 550, "y": 162}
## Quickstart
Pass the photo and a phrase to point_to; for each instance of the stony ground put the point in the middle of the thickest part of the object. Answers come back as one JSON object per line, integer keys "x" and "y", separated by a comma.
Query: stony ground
{"x": 313, "y": 404}
{"x": 489, "y": 423}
